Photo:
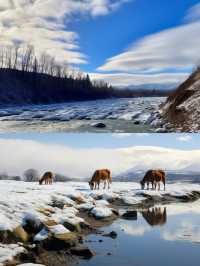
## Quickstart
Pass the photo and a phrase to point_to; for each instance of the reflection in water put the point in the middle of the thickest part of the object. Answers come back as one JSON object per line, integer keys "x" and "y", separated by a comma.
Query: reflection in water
{"x": 173, "y": 229}
{"x": 155, "y": 216}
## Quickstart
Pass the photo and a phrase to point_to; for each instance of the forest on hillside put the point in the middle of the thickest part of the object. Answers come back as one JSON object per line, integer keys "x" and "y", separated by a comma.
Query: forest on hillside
{"x": 28, "y": 78}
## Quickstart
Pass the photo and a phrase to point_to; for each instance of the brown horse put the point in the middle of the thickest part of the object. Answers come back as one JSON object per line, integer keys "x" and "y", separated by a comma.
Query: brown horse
{"x": 47, "y": 178}
{"x": 155, "y": 216}
{"x": 154, "y": 177}
{"x": 98, "y": 176}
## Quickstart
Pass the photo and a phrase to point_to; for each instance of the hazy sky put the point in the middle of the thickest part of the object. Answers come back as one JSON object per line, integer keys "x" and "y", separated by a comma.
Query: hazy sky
{"x": 78, "y": 155}
{"x": 122, "y": 41}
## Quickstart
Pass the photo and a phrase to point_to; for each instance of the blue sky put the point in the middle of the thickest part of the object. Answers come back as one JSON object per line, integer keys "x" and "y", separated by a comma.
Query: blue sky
{"x": 110, "y": 141}
{"x": 104, "y": 37}
{"x": 124, "y": 42}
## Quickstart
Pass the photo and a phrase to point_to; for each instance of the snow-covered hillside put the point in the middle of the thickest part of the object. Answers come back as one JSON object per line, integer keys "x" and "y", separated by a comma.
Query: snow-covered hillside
{"x": 181, "y": 109}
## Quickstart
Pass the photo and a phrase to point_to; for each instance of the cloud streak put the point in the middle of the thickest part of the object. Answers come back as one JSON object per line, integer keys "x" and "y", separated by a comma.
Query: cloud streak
{"x": 160, "y": 51}
{"x": 166, "y": 55}
{"x": 45, "y": 25}
{"x": 126, "y": 79}
{"x": 19, "y": 155}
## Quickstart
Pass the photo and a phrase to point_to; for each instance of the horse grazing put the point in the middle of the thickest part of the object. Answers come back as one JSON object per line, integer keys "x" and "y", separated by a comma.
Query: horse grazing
{"x": 47, "y": 178}
{"x": 98, "y": 176}
{"x": 154, "y": 177}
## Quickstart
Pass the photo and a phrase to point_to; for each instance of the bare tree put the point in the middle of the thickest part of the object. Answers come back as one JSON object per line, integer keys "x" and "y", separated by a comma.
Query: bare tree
{"x": 31, "y": 175}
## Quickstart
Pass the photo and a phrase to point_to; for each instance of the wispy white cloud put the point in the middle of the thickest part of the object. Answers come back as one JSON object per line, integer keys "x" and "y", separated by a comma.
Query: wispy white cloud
{"x": 18, "y": 155}
{"x": 163, "y": 50}
{"x": 193, "y": 13}
{"x": 44, "y": 24}
{"x": 184, "y": 138}
{"x": 126, "y": 79}
{"x": 127, "y": 135}
{"x": 172, "y": 51}
{"x": 121, "y": 135}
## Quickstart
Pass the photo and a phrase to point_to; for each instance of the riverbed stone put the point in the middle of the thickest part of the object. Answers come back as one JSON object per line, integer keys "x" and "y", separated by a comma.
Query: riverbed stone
{"x": 21, "y": 234}
{"x": 82, "y": 251}
{"x": 112, "y": 235}
{"x": 99, "y": 125}
{"x": 130, "y": 215}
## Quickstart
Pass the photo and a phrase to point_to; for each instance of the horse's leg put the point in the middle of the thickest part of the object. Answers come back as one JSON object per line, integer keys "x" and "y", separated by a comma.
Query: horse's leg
{"x": 104, "y": 186}
{"x": 147, "y": 185}
{"x": 159, "y": 185}
{"x": 108, "y": 184}
{"x": 98, "y": 184}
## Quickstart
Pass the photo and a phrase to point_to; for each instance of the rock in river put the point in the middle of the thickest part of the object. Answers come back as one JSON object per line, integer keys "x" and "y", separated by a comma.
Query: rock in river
{"x": 82, "y": 251}
{"x": 99, "y": 125}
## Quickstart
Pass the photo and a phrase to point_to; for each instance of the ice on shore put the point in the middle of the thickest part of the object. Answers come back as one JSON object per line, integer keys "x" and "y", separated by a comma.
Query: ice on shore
{"x": 61, "y": 203}
{"x": 101, "y": 212}
{"x": 31, "y": 202}
{"x": 31, "y": 264}
{"x": 58, "y": 229}
{"x": 42, "y": 235}
{"x": 8, "y": 252}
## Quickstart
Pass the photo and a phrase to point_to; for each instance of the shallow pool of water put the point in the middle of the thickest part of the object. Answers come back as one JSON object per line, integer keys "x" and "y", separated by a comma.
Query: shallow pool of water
{"x": 167, "y": 236}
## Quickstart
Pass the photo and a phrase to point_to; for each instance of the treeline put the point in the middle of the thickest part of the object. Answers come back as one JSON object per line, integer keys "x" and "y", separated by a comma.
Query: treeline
{"x": 32, "y": 175}
{"x": 28, "y": 78}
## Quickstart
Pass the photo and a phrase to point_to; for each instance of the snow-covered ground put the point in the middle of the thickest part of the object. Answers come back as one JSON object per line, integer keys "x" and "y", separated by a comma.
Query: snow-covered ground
{"x": 81, "y": 115}
{"x": 21, "y": 202}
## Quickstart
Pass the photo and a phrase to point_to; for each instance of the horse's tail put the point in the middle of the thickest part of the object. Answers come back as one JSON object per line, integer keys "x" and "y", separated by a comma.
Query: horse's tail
{"x": 94, "y": 176}
{"x": 164, "y": 179}
{"x": 146, "y": 176}
{"x": 109, "y": 175}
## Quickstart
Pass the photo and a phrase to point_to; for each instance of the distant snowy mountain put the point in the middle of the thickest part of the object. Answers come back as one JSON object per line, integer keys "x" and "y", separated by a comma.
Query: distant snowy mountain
{"x": 152, "y": 86}
{"x": 182, "y": 175}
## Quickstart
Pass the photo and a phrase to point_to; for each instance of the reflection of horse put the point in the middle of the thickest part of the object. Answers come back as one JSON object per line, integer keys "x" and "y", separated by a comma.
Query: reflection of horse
{"x": 155, "y": 216}
{"x": 100, "y": 175}
{"x": 47, "y": 178}
{"x": 154, "y": 177}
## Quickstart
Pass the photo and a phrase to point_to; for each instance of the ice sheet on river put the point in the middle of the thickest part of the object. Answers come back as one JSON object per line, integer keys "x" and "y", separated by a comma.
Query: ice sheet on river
{"x": 128, "y": 109}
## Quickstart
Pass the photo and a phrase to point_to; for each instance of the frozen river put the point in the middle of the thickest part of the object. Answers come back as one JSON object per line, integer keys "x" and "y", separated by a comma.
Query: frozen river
{"x": 118, "y": 115}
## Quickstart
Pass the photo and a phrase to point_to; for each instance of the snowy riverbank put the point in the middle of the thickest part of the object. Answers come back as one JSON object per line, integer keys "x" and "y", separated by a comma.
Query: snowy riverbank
{"x": 59, "y": 210}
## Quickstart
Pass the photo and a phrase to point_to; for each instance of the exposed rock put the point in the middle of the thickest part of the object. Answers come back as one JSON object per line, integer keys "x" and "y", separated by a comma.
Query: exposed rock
{"x": 21, "y": 234}
{"x": 112, "y": 234}
{"x": 130, "y": 215}
{"x": 72, "y": 227}
{"x": 99, "y": 125}
{"x": 66, "y": 236}
{"x": 7, "y": 237}
{"x": 182, "y": 107}
{"x": 82, "y": 251}
{"x": 46, "y": 211}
